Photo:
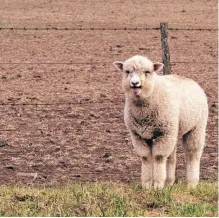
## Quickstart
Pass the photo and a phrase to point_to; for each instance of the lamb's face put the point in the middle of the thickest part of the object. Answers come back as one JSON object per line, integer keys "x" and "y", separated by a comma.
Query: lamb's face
{"x": 138, "y": 75}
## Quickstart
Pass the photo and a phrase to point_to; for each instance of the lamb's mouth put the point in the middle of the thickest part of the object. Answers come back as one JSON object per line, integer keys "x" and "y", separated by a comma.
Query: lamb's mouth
{"x": 136, "y": 90}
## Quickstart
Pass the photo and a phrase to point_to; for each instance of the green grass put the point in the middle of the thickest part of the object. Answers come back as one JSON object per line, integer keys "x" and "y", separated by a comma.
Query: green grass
{"x": 109, "y": 199}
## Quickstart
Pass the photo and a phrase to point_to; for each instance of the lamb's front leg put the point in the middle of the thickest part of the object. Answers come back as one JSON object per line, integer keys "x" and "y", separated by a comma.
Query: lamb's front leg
{"x": 144, "y": 151}
{"x": 147, "y": 172}
{"x": 159, "y": 171}
{"x": 161, "y": 150}
{"x": 171, "y": 168}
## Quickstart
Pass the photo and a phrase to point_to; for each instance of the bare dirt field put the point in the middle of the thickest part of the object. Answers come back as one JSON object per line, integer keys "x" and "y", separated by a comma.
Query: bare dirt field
{"x": 61, "y": 103}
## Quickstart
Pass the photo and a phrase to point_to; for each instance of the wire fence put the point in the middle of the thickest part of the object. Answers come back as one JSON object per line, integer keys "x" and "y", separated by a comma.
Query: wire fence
{"x": 105, "y": 29}
{"x": 99, "y": 29}
{"x": 94, "y": 63}
{"x": 21, "y": 132}
{"x": 91, "y": 62}
{"x": 63, "y": 103}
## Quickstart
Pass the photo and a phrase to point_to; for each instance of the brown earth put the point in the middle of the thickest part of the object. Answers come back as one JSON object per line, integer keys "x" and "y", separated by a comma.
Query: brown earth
{"x": 61, "y": 103}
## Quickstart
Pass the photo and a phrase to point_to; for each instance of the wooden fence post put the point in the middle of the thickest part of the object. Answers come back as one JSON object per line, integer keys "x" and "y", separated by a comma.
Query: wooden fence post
{"x": 165, "y": 48}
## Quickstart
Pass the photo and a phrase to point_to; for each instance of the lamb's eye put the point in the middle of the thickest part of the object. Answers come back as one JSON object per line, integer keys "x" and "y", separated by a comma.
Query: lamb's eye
{"x": 147, "y": 72}
{"x": 127, "y": 71}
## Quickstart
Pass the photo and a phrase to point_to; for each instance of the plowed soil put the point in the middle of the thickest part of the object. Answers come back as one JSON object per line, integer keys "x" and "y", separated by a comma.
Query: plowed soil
{"x": 61, "y": 102}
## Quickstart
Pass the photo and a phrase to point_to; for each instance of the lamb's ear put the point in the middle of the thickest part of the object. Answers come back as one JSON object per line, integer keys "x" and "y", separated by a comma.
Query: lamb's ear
{"x": 118, "y": 65}
{"x": 158, "y": 67}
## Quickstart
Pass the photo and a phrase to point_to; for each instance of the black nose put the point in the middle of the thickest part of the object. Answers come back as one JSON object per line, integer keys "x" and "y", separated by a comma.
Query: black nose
{"x": 135, "y": 83}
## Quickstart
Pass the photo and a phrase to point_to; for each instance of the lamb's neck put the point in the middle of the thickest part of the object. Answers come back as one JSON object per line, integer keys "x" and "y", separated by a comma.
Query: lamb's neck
{"x": 140, "y": 103}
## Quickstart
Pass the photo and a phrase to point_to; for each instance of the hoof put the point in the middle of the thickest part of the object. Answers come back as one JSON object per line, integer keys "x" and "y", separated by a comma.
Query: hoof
{"x": 147, "y": 185}
{"x": 192, "y": 184}
{"x": 169, "y": 182}
{"x": 158, "y": 185}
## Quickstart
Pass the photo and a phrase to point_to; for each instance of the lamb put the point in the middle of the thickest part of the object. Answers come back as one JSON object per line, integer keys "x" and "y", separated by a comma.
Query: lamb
{"x": 159, "y": 109}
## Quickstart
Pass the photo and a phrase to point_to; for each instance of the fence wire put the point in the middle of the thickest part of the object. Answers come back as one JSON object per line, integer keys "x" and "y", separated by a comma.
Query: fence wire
{"x": 103, "y": 29}
{"x": 90, "y": 63}
{"x": 95, "y": 63}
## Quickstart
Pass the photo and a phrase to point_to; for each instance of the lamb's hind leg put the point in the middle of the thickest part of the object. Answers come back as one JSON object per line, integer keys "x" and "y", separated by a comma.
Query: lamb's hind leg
{"x": 193, "y": 144}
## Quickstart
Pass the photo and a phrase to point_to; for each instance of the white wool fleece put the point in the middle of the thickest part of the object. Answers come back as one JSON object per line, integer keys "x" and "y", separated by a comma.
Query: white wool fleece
{"x": 163, "y": 108}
